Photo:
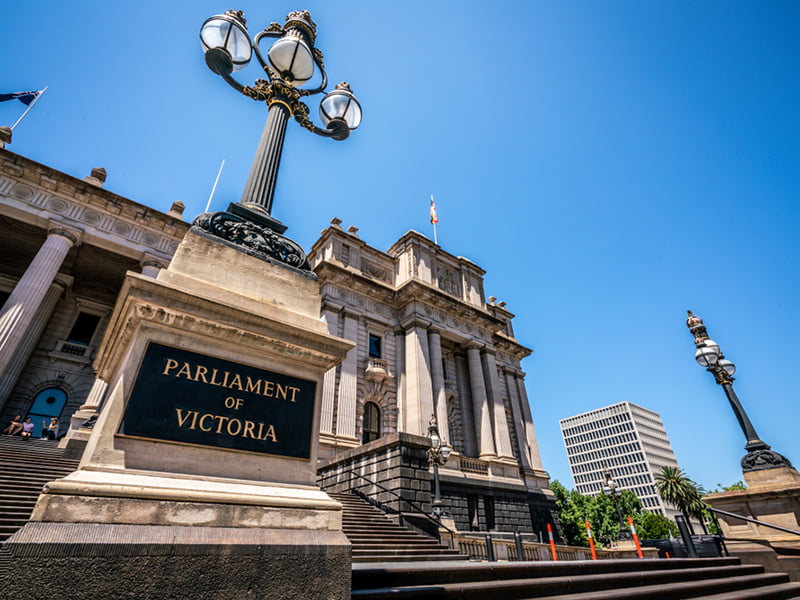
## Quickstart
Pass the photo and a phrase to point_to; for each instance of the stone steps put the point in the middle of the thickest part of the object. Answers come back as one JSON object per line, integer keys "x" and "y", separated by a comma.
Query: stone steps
{"x": 709, "y": 579}
{"x": 376, "y": 538}
{"x": 25, "y": 467}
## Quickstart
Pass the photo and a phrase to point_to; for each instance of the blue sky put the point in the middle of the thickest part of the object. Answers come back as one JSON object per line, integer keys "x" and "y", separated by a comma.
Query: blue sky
{"x": 610, "y": 164}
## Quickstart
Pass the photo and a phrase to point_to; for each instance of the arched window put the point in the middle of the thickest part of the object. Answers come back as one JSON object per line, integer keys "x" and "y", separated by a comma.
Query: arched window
{"x": 372, "y": 422}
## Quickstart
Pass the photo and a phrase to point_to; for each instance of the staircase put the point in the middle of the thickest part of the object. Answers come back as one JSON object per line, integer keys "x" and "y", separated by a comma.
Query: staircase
{"x": 655, "y": 579}
{"x": 25, "y": 466}
{"x": 376, "y": 538}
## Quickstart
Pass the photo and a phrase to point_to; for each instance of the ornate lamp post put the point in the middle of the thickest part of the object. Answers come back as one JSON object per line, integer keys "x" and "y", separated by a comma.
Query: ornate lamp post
{"x": 290, "y": 64}
{"x": 610, "y": 489}
{"x": 438, "y": 454}
{"x": 759, "y": 454}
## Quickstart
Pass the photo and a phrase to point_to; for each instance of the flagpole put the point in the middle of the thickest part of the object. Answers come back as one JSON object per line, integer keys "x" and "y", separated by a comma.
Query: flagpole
{"x": 214, "y": 189}
{"x": 434, "y": 220}
{"x": 30, "y": 106}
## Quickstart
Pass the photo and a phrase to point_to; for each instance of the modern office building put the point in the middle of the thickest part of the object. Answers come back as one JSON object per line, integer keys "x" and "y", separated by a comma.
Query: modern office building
{"x": 427, "y": 342}
{"x": 627, "y": 439}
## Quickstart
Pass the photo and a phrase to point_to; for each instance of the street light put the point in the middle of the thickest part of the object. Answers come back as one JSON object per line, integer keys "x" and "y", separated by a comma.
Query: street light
{"x": 290, "y": 64}
{"x": 610, "y": 489}
{"x": 759, "y": 454}
{"x": 438, "y": 454}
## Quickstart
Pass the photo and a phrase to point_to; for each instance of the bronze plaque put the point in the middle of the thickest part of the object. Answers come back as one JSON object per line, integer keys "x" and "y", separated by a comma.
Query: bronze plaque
{"x": 183, "y": 396}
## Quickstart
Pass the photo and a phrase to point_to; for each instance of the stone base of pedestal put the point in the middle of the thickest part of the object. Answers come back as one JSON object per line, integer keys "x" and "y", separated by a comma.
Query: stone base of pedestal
{"x": 155, "y": 562}
{"x": 772, "y": 496}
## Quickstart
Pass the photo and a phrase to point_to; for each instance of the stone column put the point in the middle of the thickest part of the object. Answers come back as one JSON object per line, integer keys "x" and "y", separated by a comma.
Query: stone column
{"x": 90, "y": 407}
{"x": 533, "y": 444}
{"x": 151, "y": 266}
{"x": 331, "y": 317}
{"x": 418, "y": 388}
{"x": 400, "y": 371}
{"x": 519, "y": 419}
{"x": 24, "y": 302}
{"x": 465, "y": 397}
{"x": 480, "y": 402}
{"x": 502, "y": 439}
{"x": 9, "y": 376}
{"x": 348, "y": 379}
{"x": 437, "y": 383}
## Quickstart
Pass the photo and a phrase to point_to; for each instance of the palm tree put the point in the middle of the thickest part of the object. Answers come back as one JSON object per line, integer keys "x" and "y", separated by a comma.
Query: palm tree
{"x": 676, "y": 488}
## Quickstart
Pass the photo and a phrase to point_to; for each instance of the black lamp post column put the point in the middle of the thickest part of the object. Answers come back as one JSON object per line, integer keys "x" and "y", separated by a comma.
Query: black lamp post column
{"x": 259, "y": 191}
{"x": 759, "y": 454}
{"x": 610, "y": 490}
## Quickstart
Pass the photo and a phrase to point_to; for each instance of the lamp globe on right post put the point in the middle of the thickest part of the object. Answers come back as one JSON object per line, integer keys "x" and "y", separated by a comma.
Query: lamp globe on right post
{"x": 759, "y": 455}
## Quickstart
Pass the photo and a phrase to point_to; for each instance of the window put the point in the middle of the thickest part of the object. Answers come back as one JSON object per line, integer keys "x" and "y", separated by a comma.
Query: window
{"x": 374, "y": 346}
{"x": 83, "y": 329}
{"x": 372, "y": 423}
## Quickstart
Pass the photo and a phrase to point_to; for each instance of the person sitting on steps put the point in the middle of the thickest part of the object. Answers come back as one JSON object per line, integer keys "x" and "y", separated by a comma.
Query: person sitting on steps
{"x": 14, "y": 426}
{"x": 27, "y": 429}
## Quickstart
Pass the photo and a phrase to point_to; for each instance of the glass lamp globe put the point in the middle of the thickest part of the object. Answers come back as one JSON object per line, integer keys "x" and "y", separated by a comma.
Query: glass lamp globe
{"x": 707, "y": 354}
{"x": 292, "y": 58}
{"x": 729, "y": 367}
{"x": 227, "y": 32}
{"x": 435, "y": 441}
{"x": 446, "y": 452}
{"x": 340, "y": 104}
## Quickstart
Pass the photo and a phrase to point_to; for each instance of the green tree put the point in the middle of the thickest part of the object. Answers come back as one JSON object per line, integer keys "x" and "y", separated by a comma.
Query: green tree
{"x": 572, "y": 511}
{"x": 675, "y": 487}
{"x": 651, "y": 526}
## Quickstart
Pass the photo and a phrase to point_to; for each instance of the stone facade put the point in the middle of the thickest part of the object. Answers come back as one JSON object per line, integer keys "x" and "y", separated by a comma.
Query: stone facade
{"x": 427, "y": 341}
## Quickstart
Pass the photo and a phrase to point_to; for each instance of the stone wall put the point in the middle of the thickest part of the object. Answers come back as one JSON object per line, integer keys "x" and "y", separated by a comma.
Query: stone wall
{"x": 398, "y": 462}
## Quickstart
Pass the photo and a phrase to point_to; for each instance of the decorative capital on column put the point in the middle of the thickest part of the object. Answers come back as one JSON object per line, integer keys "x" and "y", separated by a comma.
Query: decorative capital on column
{"x": 149, "y": 260}
{"x": 474, "y": 345}
{"x": 71, "y": 233}
{"x": 413, "y": 322}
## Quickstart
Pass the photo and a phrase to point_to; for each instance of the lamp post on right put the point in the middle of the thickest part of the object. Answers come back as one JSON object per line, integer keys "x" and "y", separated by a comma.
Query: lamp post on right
{"x": 610, "y": 489}
{"x": 759, "y": 455}
{"x": 438, "y": 454}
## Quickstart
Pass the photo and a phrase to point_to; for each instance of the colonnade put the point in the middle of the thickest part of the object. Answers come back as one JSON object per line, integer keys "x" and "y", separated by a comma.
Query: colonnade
{"x": 422, "y": 390}
{"x": 31, "y": 304}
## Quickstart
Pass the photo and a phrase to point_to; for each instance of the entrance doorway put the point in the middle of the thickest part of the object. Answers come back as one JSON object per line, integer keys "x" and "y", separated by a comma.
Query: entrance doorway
{"x": 47, "y": 404}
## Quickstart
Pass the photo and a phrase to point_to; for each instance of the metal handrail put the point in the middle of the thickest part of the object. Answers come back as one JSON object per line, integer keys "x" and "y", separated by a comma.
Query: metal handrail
{"x": 756, "y": 521}
{"x": 430, "y": 517}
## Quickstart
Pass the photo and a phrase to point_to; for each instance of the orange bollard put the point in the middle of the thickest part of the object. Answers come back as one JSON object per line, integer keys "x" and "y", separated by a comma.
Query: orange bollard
{"x": 552, "y": 542}
{"x": 591, "y": 540}
{"x": 635, "y": 538}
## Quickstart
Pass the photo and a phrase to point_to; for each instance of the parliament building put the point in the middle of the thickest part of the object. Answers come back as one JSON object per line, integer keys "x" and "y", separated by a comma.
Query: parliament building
{"x": 427, "y": 342}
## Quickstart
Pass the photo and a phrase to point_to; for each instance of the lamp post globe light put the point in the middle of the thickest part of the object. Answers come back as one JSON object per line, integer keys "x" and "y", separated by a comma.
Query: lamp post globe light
{"x": 290, "y": 65}
{"x": 438, "y": 454}
{"x": 708, "y": 355}
{"x": 611, "y": 490}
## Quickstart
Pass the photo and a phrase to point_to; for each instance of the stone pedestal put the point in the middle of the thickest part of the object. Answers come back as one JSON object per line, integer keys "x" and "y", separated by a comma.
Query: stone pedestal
{"x": 198, "y": 480}
{"x": 772, "y": 496}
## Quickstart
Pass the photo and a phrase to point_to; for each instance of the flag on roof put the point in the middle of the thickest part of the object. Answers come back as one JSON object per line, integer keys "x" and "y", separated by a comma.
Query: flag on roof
{"x": 25, "y": 97}
{"x": 434, "y": 218}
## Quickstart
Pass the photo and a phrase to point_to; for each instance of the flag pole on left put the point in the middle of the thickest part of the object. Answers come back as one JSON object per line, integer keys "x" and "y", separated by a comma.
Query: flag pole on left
{"x": 22, "y": 97}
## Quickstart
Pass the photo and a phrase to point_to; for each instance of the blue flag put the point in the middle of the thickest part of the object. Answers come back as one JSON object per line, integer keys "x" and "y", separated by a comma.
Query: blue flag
{"x": 25, "y": 97}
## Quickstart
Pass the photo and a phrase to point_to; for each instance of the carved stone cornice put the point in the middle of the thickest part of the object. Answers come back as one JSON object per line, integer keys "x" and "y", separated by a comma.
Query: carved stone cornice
{"x": 36, "y": 193}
